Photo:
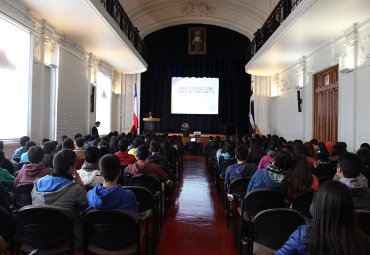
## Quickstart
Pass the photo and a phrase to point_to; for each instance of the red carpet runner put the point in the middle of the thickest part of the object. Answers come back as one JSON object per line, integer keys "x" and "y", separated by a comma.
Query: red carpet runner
{"x": 195, "y": 223}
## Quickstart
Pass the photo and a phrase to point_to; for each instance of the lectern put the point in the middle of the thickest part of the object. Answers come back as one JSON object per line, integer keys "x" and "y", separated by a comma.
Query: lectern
{"x": 151, "y": 124}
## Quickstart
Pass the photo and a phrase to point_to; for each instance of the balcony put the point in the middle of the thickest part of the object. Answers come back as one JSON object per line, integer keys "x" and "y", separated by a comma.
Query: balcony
{"x": 298, "y": 28}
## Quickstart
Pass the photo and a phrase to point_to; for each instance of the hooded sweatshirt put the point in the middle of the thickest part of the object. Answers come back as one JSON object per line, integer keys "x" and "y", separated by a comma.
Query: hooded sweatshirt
{"x": 29, "y": 173}
{"x": 240, "y": 171}
{"x": 112, "y": 198}
{"x": 359, "y": 191}
{"x": 60, "y": 191}
{"x": 90, "y": 174}
{"x": 147, "y": 169}
{"x": 272, "y": 178}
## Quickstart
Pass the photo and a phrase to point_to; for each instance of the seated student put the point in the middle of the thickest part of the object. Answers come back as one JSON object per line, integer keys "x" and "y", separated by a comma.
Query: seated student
{"x": 123, "y": 155}
{"x": 349, "y": 173}
{"x": 272, "y": 150}
{"x": 36, "y": 169}
{"x": 110, "y": 195}
{"x": 274, "y": 177}
{"x": 4, "y": 162}
{"x": 5, "y": 177}
{"x": 334, "y": 229}
{"x": 18, "y": 152}
{"x": 24, "y": 156}
{"x": 364, "y": 155}
{"x": 241, "y": 168}
{"x": 227, "y": 152}
{"x": 63, "y": 188}
{"x": 49, "y": 150}
{"x": 156, "y": 157}
{"x": 68, "y": 144}
{"x": 300, "y": 178}
{"x": 135, "y": 144}
{"x": 323, "y": 167}
{"x": 80, "y": 142}
{"x": 142, "y": 168}
{"x": 89, "y": 172}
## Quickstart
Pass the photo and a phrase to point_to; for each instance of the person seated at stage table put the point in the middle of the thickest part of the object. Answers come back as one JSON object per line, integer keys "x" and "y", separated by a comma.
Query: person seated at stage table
{"x": 123, "y": 155}
{"x": 143, "y": 168}
{"x": 240, "y": 169}
{"x": 156, "y": 157}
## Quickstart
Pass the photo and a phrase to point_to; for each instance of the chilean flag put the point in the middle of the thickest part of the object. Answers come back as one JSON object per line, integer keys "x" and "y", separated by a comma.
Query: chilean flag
{"x": 134, "y": 116}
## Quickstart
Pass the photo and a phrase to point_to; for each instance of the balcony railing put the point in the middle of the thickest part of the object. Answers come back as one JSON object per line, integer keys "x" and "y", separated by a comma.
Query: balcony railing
{"x": 278, "y": 15}
{"x": 116, "y": 11}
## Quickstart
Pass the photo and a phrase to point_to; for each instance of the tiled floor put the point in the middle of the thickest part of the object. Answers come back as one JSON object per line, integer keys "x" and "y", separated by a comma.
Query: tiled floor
{"x": 195, "y": 223}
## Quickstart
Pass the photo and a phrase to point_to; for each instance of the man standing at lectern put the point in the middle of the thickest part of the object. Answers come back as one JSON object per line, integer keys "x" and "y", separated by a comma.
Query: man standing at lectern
{"x": 94, "y": 130}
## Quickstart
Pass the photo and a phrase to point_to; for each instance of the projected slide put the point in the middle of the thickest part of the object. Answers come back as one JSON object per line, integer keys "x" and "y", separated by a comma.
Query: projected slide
{"x": 194, "y": 95}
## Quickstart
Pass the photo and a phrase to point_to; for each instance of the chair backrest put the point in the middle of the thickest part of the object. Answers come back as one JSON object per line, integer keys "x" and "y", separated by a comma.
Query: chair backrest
{"x": 303, "y": 202}
{"x": 22, "y": 195}
{"x": 143, "y": 196}
{"x": 239, "y": 186}
{"x": 363, "y": 219}
{"x": 272, "y": 227}
{"x": 44, "y": 227}
{"x": 148, "y": 182}
{"x": 3, "y": 199}
{"x": 111, "y": 229}
{"x": 7, "y": 224}
{"x": 262, "y": 199}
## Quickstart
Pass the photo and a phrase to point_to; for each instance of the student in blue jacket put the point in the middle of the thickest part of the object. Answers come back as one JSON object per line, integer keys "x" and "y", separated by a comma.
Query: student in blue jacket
{"x": 334, "y": 228}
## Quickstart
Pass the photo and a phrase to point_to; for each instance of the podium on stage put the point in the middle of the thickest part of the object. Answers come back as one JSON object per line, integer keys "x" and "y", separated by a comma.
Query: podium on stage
{"x": 151, "y": 124}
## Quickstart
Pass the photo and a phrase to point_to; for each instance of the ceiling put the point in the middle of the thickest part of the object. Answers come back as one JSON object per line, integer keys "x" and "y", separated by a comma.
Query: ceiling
{"x": 312, "y": 24}
{"x": 244, "y": 16}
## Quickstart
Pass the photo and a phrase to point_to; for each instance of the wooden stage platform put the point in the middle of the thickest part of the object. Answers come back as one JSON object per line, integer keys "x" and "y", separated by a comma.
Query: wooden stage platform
{"x": 202, "y": 139}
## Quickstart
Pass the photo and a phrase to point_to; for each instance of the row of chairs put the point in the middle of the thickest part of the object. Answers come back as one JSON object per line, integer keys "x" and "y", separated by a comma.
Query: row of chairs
{"x": 50, "y": 230}
{"x": 149, "y": 192}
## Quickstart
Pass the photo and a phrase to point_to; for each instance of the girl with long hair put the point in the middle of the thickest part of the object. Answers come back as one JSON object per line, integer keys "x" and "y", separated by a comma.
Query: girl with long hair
{"x": 300, "y": 178}
{"x": 334, "y": 229}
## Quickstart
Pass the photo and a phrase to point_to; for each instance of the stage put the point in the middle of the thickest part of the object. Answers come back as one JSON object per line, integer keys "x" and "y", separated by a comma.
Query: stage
{"x": 202, "y": 140}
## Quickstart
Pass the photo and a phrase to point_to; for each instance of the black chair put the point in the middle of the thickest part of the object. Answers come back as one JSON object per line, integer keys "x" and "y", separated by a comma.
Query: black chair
{"x": 272, "y": 227}
{"x": 303, "y": 202}
{"x": 111, "y": 232}
{"x": 236, "y": 191}
{"x": 146, "y": 211}
{"x": 155, "y": 187}
{"x": 46, "y": 228}
{"x": 253, "y": 203}
{"x": 7, "y": 227}
{"x": 363, "y": 219}
{"x": 22, "y": 196}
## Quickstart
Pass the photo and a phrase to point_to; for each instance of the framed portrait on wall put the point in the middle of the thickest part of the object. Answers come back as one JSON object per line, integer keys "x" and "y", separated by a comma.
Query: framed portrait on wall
{"x": 197, "y": 40}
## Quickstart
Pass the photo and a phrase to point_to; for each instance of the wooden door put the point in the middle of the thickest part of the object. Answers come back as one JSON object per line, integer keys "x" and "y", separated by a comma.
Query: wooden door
{"x": 325, "y": 124}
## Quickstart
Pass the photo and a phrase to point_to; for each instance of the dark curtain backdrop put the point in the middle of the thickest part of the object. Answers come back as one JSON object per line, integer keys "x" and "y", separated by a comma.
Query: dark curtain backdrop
{"x": 226, "y": 59}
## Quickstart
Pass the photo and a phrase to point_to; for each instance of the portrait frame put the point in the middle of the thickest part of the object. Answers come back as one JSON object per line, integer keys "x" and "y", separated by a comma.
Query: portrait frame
{"x": 197, "y": 40}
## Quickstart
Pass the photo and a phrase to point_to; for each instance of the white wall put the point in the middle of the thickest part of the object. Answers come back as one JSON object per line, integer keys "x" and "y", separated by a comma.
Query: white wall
{"x": 354, "y": 91}
{"x": 70, "y": 71}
